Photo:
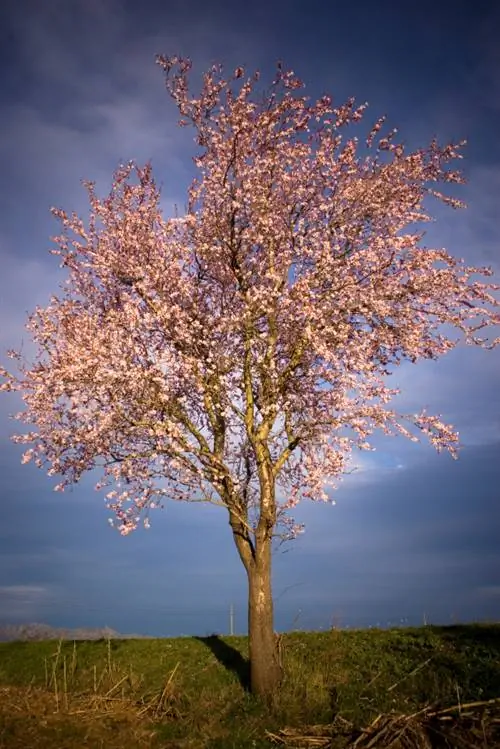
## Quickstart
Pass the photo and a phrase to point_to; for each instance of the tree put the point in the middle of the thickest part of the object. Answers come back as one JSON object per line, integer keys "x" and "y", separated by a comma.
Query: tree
{"x": 238, "y": 354}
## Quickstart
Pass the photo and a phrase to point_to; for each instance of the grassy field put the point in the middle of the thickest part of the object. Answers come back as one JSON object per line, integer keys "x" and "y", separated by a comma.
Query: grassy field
{"x": 192, "y": 692}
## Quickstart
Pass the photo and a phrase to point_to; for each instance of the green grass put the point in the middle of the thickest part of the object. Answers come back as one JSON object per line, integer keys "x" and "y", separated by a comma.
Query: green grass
{"x": 189, "y": 692}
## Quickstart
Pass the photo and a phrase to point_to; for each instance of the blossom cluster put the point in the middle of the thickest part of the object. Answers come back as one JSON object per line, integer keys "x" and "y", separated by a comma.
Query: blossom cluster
{"x": 246, "y": 345}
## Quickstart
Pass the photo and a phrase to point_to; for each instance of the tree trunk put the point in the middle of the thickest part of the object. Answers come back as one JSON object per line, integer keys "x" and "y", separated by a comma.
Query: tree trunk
{"x": 265, "y": 669}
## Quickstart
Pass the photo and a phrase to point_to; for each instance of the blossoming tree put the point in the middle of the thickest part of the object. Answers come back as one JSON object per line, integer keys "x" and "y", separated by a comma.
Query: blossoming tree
{"x": 237, "y": 354}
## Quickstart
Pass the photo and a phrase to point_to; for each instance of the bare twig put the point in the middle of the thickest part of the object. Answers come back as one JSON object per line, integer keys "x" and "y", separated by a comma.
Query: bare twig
{"x": 412, "y": 673}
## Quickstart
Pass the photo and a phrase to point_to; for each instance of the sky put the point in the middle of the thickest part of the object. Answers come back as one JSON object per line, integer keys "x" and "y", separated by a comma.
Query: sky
{"x": 414, "y": 536}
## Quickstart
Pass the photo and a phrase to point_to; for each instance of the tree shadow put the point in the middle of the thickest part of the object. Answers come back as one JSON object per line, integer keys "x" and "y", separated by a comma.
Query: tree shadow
{"x": 230, "y": 658}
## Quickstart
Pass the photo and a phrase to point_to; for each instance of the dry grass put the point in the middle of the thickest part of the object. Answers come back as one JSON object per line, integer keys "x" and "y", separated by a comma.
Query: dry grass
{"x": 469, "y": 726}
{"x": 110, "y": 714}
{"x": 111, "y": 711}
{"x": 30, "y": 717}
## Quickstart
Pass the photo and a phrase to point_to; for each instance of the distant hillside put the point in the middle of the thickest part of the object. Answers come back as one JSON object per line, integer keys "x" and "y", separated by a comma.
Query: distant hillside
{"x": 36, "y": 631}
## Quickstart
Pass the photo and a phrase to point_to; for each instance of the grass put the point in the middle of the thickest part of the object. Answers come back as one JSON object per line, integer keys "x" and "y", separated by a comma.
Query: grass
{"x": 190, "y": 692}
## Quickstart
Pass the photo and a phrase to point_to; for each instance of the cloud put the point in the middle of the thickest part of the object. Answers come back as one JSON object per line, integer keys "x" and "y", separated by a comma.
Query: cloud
{"x": 462, "y": 387}
{"x": 489, "y": 591}
{"x": 424, "y": 535}
{"x": 22, "y": 591}
{"x": 23, "y": 602}
{"x": 26, "y": 283}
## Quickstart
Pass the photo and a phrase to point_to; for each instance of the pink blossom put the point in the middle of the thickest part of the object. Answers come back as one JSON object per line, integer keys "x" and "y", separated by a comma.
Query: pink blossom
{"x": 209, "y": 357}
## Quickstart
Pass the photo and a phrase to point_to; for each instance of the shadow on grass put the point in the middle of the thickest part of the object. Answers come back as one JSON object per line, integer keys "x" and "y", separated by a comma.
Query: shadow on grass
{"x": 229, "y": 657}
{"x": 487, "y": 635}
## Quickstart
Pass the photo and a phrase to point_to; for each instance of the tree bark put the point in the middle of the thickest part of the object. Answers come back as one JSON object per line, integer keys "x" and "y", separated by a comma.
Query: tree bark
{"x": 265, "y": 669}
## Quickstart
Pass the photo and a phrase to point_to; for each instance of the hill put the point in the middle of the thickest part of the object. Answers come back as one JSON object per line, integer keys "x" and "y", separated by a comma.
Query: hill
{"x": 40, "y": 631}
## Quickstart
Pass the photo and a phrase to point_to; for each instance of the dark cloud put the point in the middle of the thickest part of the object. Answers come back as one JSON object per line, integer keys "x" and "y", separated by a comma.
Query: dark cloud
{"x": 412, "y": 532}
{"x": 411, "y": 540}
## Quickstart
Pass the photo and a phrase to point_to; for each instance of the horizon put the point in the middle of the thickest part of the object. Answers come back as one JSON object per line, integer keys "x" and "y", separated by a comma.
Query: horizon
{"x": 43, "y": 631}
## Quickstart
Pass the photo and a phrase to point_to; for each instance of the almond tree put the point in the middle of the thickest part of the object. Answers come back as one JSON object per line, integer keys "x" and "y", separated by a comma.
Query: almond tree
{"x": 238, "y": 354}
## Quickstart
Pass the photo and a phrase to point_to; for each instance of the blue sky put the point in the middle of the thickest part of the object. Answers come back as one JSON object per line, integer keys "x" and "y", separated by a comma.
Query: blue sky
{"x": 413, "y": 533}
